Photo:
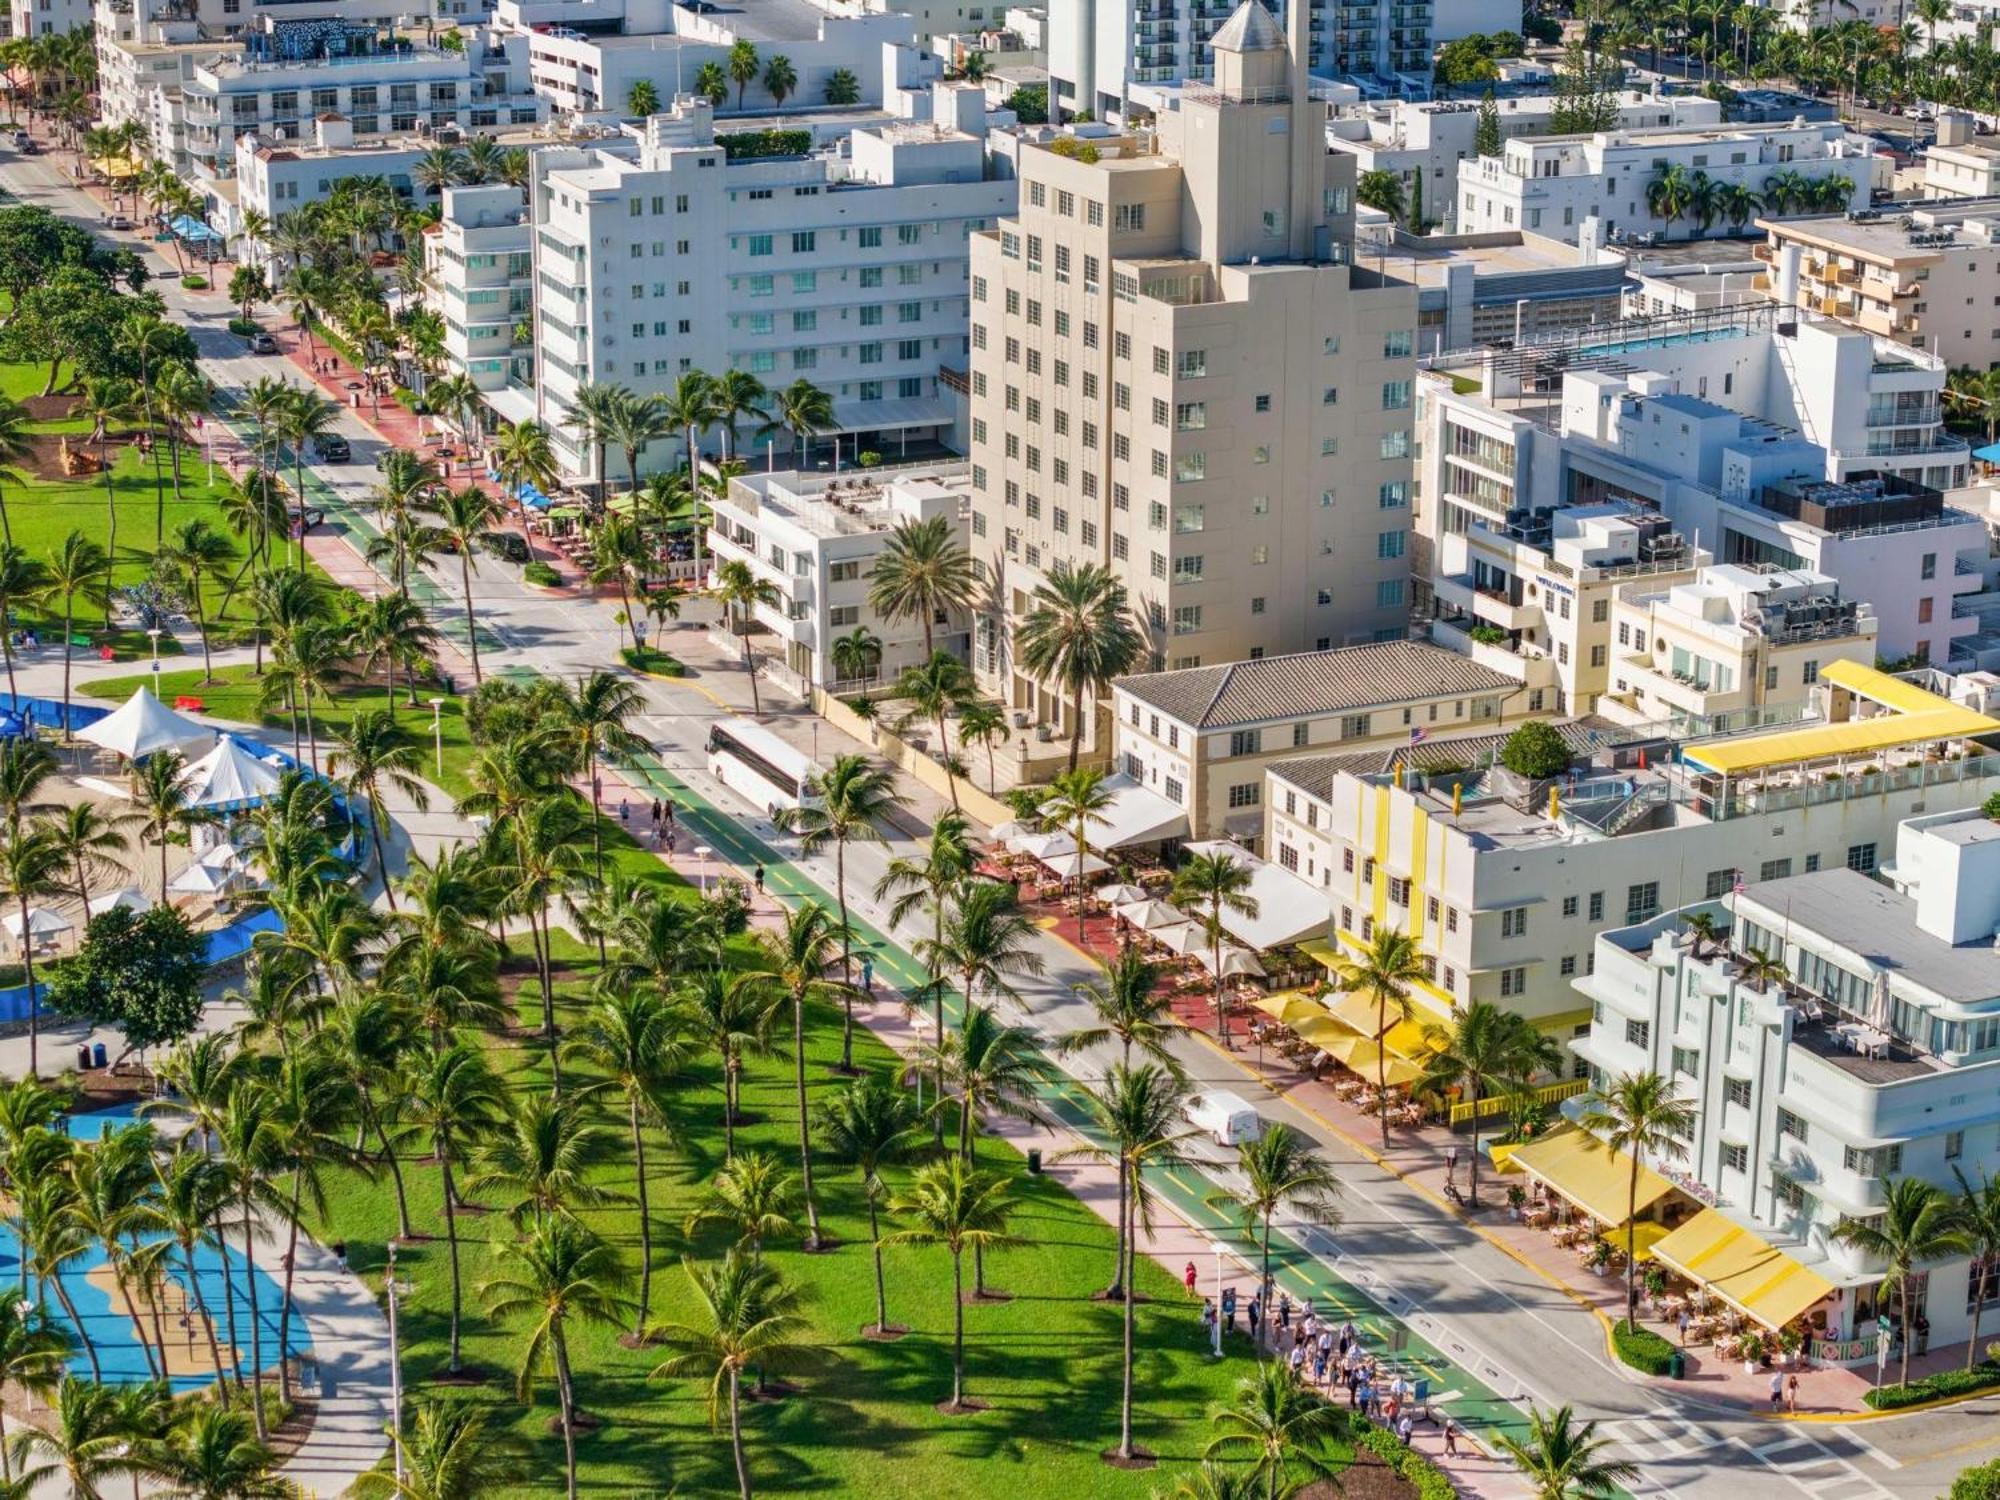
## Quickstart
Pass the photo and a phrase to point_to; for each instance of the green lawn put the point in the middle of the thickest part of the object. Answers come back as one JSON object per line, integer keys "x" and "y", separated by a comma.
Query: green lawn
{"x": 863, "y": 1421}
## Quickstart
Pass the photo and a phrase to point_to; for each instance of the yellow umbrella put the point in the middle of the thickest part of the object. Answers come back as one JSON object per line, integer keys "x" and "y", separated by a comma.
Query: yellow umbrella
{"x": 1399, "y": 1073}
{"x": 1409, "y": 1039}
{"x": 1324, "y": 1031}
{"x": 1291, "y": 1008}
{"x": 1645, "y": 1235}
{"x": 1356, "y": 1052}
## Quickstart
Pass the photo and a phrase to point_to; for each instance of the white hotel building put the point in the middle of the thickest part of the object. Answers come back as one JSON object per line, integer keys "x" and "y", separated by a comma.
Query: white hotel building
{"x": 847, "y": 269}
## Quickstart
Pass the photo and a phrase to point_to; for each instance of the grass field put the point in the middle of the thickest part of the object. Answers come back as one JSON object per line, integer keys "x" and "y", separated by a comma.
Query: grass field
{"x": 863, "y": 1418}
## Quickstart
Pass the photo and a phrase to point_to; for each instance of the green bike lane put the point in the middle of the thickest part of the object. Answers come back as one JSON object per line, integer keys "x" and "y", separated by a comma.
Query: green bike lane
{"x": 1297, "y": 1270}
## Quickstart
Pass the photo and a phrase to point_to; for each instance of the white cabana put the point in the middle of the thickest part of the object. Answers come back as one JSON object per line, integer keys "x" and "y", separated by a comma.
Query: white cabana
{"x": 1134, "y": 816}
{"x": 1119, "y": 894}
{"x": 1235, "y": 961}
{"x": 129, "y": 899}
{"x": 1002, "y": 832}
{"x": 42, "y": 923}
{"x": 143, "y": 726}
{"x": 1188, "y": 937}
{"x": 1288, "y": 909}
{"x": 221, "y": 857}
{"x": 1057, "y": 851}
{"x": 203, "y": 880}
{"x": 230, "y": 777}
{"x": 1150, "y": 916}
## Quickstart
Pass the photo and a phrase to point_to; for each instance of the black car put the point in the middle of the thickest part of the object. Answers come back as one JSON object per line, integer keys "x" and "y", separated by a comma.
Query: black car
{"x": 331, "y": 448}
{"x": 510, "y": 546}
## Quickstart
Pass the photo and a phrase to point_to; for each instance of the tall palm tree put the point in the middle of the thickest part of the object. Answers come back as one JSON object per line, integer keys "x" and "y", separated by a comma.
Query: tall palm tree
{"x": 544, "y": 1155}
{"x": 1079, "y": 634}
{"x": 214, "y": 1454}
{"x": 248, "y": 1143}
{"x": 107, "y": 402}
{"x": 1139, "y": 1115}
{"x": 451, "y": 1096}
{"x": 739, "y": 396}
{"x": 33, "y": 1352}
{"x": 306, "y": 415}
{"x": 751, "y": 1319}
{"x": 634, "y": 424}
{"x": 76, "y": 570}
{"x": 937, "y": 687}
{"x": 753, "y": 1195}
{"x": 1564, "y": 1460}
{"x": 1384, "y": 971}
{"x": 523, "y": 453}
{"x": 854, "y": 795}
{"x": 1979, "y": 1222}
{"x": 732, "y": 1022}
{"x": 16, "y": 423}
{"x": 983, "y": 721}
{"x": 1640, "y": 1114}
{"x": 1075, "y": 797}
{"x": 592, "y": 722}
{"x": 870, "y": 1124}
{"x": 1279, "y": 1426}
{"x": 374, "y": 756}
{"x": 928, "y": 883}
{"x": 641, "y": 1044}
{"x": 25, "y": 768}
{"x": 983, "y": 940}
{"x": 85, "y": 1441}
{"x": 1486, "y": 1048}
{"x": 593, "y": 414}
{"x": 560, "y": 1274}
{"x": 197, "y": 556}
{"x": 450, "y": 1452}
{"x": 692, "y": 409}
{"x": 1215, "y": 883}
{"x": 739, "y": 589}
{"x": 922, "y": 572}
{"x": 954, "y": 1204}
{"x": 1283, "y": 1172}
{"x": 1919, "y": 1222}
{"x": 165, "y": 803}
{"x": 467, "y": 516}
{"x": 310, "y": 662}
{"x": 792, "y": 965}
{"x": 995, "y": 1068}
{"x": 805, "y": 411}
{"x": 31, "y": 869}
{"x": 857, "y": 656}
{"x": 1127, "y": 1006}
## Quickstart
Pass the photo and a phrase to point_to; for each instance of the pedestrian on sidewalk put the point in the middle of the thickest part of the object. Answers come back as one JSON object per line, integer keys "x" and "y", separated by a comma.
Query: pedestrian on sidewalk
{"x": 868, "y": 976}
{"x": 624, "y": 812}
{"x": 1284, "y": 1310}
{"x": 667, "y": 810}
{"x": 1188, "y": 1278}
{"x": 760, "y": 880}
{"x": 1406, "y": 1429}
{"x": 1777, "y": 1391}
{"x": 1207, "y": 1320}
{"x": 1229, "y": 1309}
{"x": 1450, "y": 1438}
{"x": 1298, "y": 1365}
{"x": 656, "y": 815}
{"x": 1255, "y": 1313}
{"x": 1684, "y": 1321}
{"x": 1792, "y": 1392}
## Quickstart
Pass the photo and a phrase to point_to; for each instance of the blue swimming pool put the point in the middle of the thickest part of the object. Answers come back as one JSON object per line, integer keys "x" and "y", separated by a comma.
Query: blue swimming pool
{"x": 118, "y": 1352}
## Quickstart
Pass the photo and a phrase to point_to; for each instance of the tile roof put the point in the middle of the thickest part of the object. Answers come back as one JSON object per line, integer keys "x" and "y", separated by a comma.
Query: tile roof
{"x": 1314, "y": 682}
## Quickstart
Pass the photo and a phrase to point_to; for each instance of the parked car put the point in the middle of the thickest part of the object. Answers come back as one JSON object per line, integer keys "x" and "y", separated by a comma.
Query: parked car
{"x": 263, "y": 343}
{"x": 509, "y": 546}
{"x": 117, "y": 221}
{"x": 1223, "y": 1115}
{"x": 332, "y": 448}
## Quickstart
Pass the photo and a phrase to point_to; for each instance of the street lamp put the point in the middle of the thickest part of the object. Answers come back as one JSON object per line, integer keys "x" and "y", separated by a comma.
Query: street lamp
{"x": 702, "y": 851}
{"x": 437, "y": 731}
{"x": 1216, "y": 1323}
{"x": 397, "y": 1290}
{"x": 153, "y": 634}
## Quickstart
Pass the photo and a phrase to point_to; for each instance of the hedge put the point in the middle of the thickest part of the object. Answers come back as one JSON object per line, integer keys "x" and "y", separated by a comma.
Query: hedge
{"x": 1413, "y": 1468}
{"x": 1981, "y": 1377}
{"x": 245, "y": 327}
{"x": 541, "y": 575}
{"x": 1641, "y": 1348}
{"x": 654, "y": 663}
{"x": 1980, "y": 1482}
{"x": 194, "y": 283}
{"x": 751, "y": 144}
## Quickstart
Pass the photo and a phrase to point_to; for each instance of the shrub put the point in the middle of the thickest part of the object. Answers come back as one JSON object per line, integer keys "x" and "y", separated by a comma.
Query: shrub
{"x": 1076, "y": 150}
{"x": 1536, "y": 751}
{"x": 654, "y": 663}
{"x": 1991, "y": 807}
{"x": 194, "y": 283}
{"x": 541, "y": 575}
{"x": 750, "y": 144}
{"x": 1030, "y": 104}
{"x": 1641, "y": 1348}
{"x": 1412, "y": 1467}
{"x": 1946, "y": 1383}
{"x": 243, "y": 328}
{"x": 1980, "y": 1482}
{"x": 1488, "y": 634}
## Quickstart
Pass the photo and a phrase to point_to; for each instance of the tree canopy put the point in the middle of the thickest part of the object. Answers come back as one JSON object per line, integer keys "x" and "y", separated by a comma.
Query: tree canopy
{"x": 140, "y": 971}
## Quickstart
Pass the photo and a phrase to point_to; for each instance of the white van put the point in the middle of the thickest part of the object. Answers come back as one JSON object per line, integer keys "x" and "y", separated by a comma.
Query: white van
{"x": 1224, "y": 1116}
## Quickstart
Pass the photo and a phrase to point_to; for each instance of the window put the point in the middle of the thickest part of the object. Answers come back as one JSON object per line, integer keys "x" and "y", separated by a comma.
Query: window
{"x": 844, "y": 614}
{"x": 1791, "y": 1125}
{"x": 1642, "y": 902}
{"x": 1514, "y": 922}
{"x": 1687, "y": 1060}
{"x": 1246, "y": 742}
{"x": 1192, "y": 365}
{"x": 1774, "y": 869}
{"x": 1861, "y": 857}
{"x": 1954, "y": 1144}
{"x": 1187, "y": 619}
{"x": 1639, "y": 1033}
{"x": 1735, "y": 1158}
{"x": 1174, "y": 790}
{"x": 760, "y": 244}
{"x": 1395, "y": 395}
{"x": 803, "y": 241}
{"x": 1718, "y": 884}
{"x": 1397, "y": 343}
{"x": 1568, "y": 965}
{"x": 1513, "y": 982}
{"x": 1596, "y": 906}
{"x": 1737, "y": 1091}
{"x": 1391, "y": 543}
{"x": 1244, "y": 794}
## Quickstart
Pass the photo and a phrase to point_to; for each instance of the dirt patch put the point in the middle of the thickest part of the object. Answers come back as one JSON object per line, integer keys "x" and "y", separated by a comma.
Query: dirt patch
{"x": 991, "y": 1294}
{"x": 43, "y": 460}
{"x": 1140, "y": 1459}
{"x": 288, "y": 1439}
{"x": 971, "y": 1406}
{"x": 466, "y": 1377}
{"x": 875, "y": 1333}
{"x": 1369, "y": 1477}
{"x": 50, "y": 408}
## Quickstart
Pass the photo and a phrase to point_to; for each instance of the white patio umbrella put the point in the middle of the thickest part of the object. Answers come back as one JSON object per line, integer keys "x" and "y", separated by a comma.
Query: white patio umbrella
{"x": 1186, "y": 938}
{"x": 224, "y": 856}
{"x": 1119, "y": 894}
{"x": 229, "y": 777}
{"x": 1235, "y": 961}
{"x": 1878, "y": 1002}
{"x": 41, "y": 923}
{"x": 1150, "y": 916}
{"x": 1009, "y": 830}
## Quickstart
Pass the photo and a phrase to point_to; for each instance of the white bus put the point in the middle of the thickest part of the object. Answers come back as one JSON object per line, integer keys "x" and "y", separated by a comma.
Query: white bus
{"x": 757, "y": 765}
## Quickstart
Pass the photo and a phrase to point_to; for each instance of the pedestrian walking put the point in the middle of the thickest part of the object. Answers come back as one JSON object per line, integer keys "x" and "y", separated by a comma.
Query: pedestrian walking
{"x": 1255, "y": 1313}
{"x": 1792, "y": 1391}
{"x": 667, "y": 810}
{"x": 1284, "y": 1310}
{"x": 656, "y": 815}
{"x": 1777, "y": 1391}
{"x": 1450, "y": 1438}
{"x": 1207, "y": 1320}
{"x": 1684, "y": 1321}
{"x": 760, "y": 880}
{"x": 867, "y": 976}
{"x": 1229, "y": 1309}
{"x": 1298, "y": 1361}
{"x": 624, "y": 812}
{"x": 1406, "y": 1429}
{"x": 1188, "y": 1278}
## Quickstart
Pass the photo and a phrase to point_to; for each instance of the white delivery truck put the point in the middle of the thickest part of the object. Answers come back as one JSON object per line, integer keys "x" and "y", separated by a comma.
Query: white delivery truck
{"x": 1225, "y": 1116}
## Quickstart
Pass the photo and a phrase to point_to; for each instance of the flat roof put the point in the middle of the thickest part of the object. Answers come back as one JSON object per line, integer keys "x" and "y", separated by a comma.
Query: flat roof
{"x": 1909, "y": 716}
{"x": 1879, "y": 925}
{"x": 1884, "y": 238}
{"x": 763, "y": 20}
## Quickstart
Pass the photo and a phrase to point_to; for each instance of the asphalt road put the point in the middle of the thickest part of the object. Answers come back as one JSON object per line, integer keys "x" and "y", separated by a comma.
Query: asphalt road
{"x": 1483, "y": 1325}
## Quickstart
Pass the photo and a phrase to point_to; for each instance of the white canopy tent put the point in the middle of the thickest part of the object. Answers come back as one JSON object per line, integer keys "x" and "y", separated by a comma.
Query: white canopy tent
{"x": 203, "y": 880}
{"x": 1150, "y": 915}
{"x": 230, "y": 777}
{"x": 1119, "y": 894}
{"x": 129, "y": 899}
{"x": 1058, "y": 851}
{"x": 1288, "y": 909}
{"x": 1235, "y": 961}
{"x": 1187, "y": 937}
{"x": 143, "y": 726}
{"x": 1134, "y": 816}
{"x": 43, "y": 925}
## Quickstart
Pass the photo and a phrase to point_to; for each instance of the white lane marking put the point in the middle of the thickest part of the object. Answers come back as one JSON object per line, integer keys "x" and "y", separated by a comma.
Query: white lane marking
{"x": 1887, "y": 1461}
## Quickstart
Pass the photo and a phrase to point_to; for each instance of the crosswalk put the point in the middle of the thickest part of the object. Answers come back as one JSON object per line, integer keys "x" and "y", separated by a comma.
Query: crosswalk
{"x": 1674, "y": 1454}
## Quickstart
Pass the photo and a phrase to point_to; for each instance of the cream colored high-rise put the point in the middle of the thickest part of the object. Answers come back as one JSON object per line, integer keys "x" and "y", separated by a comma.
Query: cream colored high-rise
{"x": 1177, "y": 374}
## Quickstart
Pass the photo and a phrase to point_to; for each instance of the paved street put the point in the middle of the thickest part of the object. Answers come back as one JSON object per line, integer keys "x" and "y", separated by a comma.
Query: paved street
{"x": 1489, "y": 1332}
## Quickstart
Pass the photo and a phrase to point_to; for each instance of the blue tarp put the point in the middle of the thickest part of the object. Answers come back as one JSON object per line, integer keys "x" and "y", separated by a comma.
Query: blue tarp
{"x": 192, "y": 229}
{"x": 49, "y": 711}
{"x": 532, "y": 497}
{"x": 1990, "y": 454}
{"x": 233, "y": 941}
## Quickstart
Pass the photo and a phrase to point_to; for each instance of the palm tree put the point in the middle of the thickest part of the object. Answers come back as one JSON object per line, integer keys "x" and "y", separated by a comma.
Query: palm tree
{"x": 1130, "y": 1008}
{"x": 76, "y": 569}
{"x": 738, "y": 396}
{"x": 305, "y": 416}
{"x": 1640, "y": 1115}
{"x": 593, "y": 723}
{"x": 854, "y": 795}
{"x": 561, "y": 1274}
{"x": 1704, "y": 927}
{"x": 794, "y": 961}
{"x": 16, "y": 423}
{"x": 857, "y": 656}
{"x": 1282, "y": 1171}
{"x": 739, "y": 589}
{"x": 641, "y": 1044}
{"x": 1919, "y": 1222}
{"x": 954, "y": 1204}
{"x": 1139, "y": 1114}
{"x": 449, "y": 1453}
{"x": 22, "y": 580}
{"x": 1763, "y": 969}
{"x": 197, "y": 556}
{"x": 929, "y": 883}
{"x": 450, "y": 1096}
{"x": 732, "y": 1021}
{"x": 31, "y": 869}
{"x": 642, "y": 99}
{"x": 984, "y": 722}
{"x": 1079, "y": 634}
{"x": 1218, "y": 882}
{"x": 544, "y": 1153}
{"x": 1075, "y": 797}
{"x": 996, "y": 1069}
{"x": 1279, "y": 1426}
{"x": 842, "y": 87}
{"x": 753, "y": 1195}
{"x": 377, "y": 754}
{"x": 107, "y": 402}
{"x": 870, "y": 1124}
{"x": 751, "y": 1320}
{"x": 780, "y": 79}
{"x": 25, "y": 767}
{"x": 1384, "y": 971}
{"x": 805, "y": 411}
{"x": 214, "y": 1454}
{"x": 921, "y": 573}
{"x": 1211, "y": 1481}
{"x": 33, "y": 1352}
{"x": 984, "y": 939}
{"x": 1669, "y": 194}
{"x": 933, "y": 690}
{"x": 1382, "y": 191}
{"x": 1979, "y": 1222}
{"x": 164, "y": 801}
{"x": 1563, "y": 1460}
{"x": 1486, "y": 1048}
{"x": 742, "y": 64}
{"x": 85, "y": 1441}
{"x": 711, "y": 82}
{"x": 523, "y": 453}
{"x": 634, "y": 423}
{"x": 468, "y": 515}
{"x": 691, "y": 407}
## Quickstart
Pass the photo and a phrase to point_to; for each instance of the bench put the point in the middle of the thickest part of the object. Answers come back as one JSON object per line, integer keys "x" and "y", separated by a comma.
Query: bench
{"x": 188, "y": 705}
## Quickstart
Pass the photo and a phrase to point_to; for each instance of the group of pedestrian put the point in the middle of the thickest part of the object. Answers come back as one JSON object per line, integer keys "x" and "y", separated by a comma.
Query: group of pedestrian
{"x": 663, "y": 824}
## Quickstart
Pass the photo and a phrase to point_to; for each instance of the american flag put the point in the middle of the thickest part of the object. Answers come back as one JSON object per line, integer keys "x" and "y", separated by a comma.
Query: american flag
{"x": 1736, "y": 889}
{"x": 1417, "y": 735}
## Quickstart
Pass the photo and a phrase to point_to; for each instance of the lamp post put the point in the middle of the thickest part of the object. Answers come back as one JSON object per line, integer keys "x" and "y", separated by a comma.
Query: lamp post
{"x": 153, "y": 635}
{"x": 702, "y": 852}
{"x": 437, "y": 731}
{"x": 1216, "y": 1324}
{"x": 395, "y": 1289}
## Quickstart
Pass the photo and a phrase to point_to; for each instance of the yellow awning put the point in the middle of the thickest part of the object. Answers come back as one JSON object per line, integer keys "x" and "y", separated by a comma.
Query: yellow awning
{"x": 1352, "y": 1051}
{"x": 1361, "y": 1013}
{"x": 116, "y": 166}
{"x": 1503, "y": 1156}
{"x": 1645, "y": 1235}
{"x": 1291, "y": 1008}
{"x": 1752, "y": 1276}
{"x": 1321, "y": 952}
{"x": 1409, "y": 1039}
{"x": 1913, "y": 716}
{"x": 1591, "y": 1175}
{"x": 1323, "y": 1031}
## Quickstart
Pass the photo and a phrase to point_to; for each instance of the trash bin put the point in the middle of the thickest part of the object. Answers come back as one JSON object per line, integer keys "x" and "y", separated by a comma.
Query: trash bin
{"x": 83, "y": 1057}
{"x": 99, "y": 1056}
{"x": 1035, "y": 1161}
{"x": 1677, "y": 1366}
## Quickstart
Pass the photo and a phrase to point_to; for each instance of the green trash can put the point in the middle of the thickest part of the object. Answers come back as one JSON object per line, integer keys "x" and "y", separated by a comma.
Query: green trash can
{"x": 1677, "y": 1366}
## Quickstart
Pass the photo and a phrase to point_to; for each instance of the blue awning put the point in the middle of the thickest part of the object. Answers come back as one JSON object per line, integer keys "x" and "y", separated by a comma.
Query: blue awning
{"x": 531, "y": 496}
{"x": 1990, "y": 454}
{"x": 190, "y": 228}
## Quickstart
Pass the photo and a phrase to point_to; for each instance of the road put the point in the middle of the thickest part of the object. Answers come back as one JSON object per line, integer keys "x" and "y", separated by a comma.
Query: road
{"x": 1491, "y": 1334}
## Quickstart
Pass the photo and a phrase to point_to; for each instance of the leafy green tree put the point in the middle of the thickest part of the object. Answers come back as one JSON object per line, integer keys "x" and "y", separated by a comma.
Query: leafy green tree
{"x": 1919, "y": 1223}
{"x": 870, "y": 1124}
{"x": 642, "y": 99}
{"x": 1384, "y": 971}
{"x": 1030, "y": 104}
{"x": 742, "y": 64}
{"x": 1536, "y": 750}
{"x": 1278, "y": 1425}
{"x": 1486, "y": 132}
{"x": 1486, "y": 1048}
{"x": 1079, "y": 634}
{"x": 139, "y": 971}
{"x": 450, "y": 1452}
{"x": 952, "y": 1204}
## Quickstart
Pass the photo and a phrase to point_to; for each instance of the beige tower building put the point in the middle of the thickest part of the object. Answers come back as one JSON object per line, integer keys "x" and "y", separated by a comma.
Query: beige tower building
{"x": 1177, "y": 373}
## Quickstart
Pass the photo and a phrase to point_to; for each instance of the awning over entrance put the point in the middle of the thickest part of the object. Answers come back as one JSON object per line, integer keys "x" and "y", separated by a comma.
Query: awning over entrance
{"x": 893, "y": 415}
{"x": 1135, "y": 816}
{"x": 1645, "y": 1236}
{"x": 1591, "y": 1175}
{"x": 1360, "y": 1012}
{"x": 1749, "y": 1274}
